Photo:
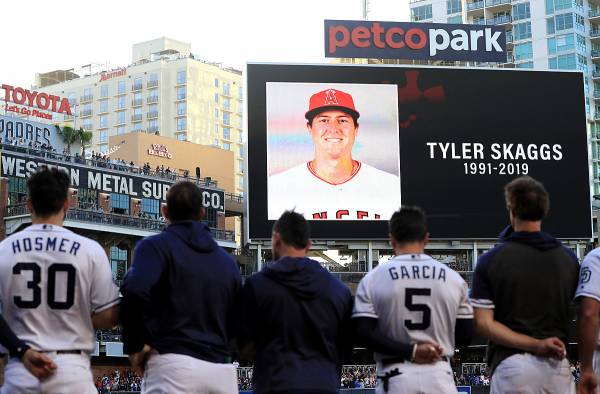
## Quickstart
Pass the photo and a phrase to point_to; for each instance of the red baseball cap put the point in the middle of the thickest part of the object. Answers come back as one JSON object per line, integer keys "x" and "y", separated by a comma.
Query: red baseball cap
{"x": 331, "y": 99}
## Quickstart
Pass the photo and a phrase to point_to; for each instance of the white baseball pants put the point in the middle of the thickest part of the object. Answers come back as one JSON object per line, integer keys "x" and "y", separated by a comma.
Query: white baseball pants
{"x": 435, "y": 378}
{"x": 177, "y": 373}
{"x": 529, "y": 374}
{"x": 72, "y": 375}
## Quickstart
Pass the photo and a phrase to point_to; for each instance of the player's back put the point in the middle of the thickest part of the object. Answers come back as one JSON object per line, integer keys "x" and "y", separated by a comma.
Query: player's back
{"x": 51, "y": 280}
{"x": 415, "y": 299}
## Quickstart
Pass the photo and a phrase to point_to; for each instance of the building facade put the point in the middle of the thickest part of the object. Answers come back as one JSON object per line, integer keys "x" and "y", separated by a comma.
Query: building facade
{"x": 164, "y": 91}
{"x": 540, "y": 34}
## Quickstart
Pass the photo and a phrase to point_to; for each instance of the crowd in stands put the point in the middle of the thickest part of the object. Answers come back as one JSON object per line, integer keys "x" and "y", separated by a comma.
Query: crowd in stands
{"x": 358, "y": 377}
{"x": 119, "y": 380}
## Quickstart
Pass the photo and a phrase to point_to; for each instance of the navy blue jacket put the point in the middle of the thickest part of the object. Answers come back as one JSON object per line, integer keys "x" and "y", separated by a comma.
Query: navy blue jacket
{"x": 180, "y": 294}
{"x": 298, "y": 316}
{"x": 529, "y": 279}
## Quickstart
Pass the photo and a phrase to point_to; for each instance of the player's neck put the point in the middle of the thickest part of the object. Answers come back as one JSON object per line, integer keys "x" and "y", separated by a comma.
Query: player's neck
{"x": 291, "y": 252}
{"x": 334, "y": 170}
{"x": 56, "y": 219}
{"x": 410, "y": 248}
{"x": 527, "y": 225}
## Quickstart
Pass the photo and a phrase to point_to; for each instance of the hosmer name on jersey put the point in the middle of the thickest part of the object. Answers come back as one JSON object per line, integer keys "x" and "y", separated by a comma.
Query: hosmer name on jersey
{"x": 46, "y": 244}
{"x": 418, "y": 271}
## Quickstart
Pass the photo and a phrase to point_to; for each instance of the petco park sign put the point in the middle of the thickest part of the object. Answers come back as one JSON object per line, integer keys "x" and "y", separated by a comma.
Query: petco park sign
{"x": 428, "y": 41}
{"x": 35, "y": 102}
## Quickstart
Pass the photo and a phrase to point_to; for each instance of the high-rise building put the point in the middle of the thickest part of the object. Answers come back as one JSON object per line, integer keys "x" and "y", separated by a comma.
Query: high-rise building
{"x": 540, "y": 34}
{"x": 166, "y": 90}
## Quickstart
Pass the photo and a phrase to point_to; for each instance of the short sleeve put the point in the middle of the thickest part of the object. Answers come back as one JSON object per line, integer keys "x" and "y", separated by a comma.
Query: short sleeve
{"x": 465, "y": 310}
{"x": 589, "y": 277}
{"x": 363, "y": 304}
{"x": 104, "y": 292}
{"x": 481, "y": 291}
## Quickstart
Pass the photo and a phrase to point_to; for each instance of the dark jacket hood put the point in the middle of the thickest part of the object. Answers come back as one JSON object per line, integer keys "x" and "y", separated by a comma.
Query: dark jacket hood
{"x": 536, "y": 239}
{"x": 195, "y": 234}
{"x": 302, "y": 276}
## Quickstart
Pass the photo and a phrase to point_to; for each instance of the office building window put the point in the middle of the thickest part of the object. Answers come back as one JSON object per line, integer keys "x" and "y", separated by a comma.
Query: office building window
{"x": 226, "y": 146}
{"x": 226, "y": 119}
{"x": 182, "y": 137}
{"x": 153, "y": 125}
{"x": 240, "y": 93}
{"x": 103, "y": 136}
{"x": 226, "y": 103}
{"x": 137, "y": 97}
{"x": 121, "y": 102}
{"x": 136, "y": 126}
{"x": 153, "y": 108}
{"x": 457, "y": 19}
{"x": 150, "y": 207}
{"x": 216, "y": 97}
{"x": 181, "y": 108}
{"x": 240, "y": 166}
{"x": 181, "y": 77}
{"x": 557, "y": 5}
{"x": 523, "y": 51}
{"x": 87, "y": 92}
{"x": 104, "y": 91}
{"x": 563, "y": 21}
{"x": 137, "y": 112}
{"x": 421, "y": 13}
{"x": 579, "y": 23}
{"x": 216, "y": 82}
{"x": 103, "y": 121}
{"x": 153, "y": 78}
{"x": 581, "y": 45}
{"x": 525, "y": 65}
{"x": 216, "y": 142}
{"x": 521, "y": 11}
{"x": 120, "y": 117}
{"x": 241, "y": 182}
{"x": 120, "y": 130}
{"x": 565, "y": 42}
{"x": 522, "y": 31}
{"x": 453, "y": 6}
{"x": 119, "y": 203}
{"x": 226, "y": 86}
{"x": 87, "y": 125}
{"x": 216, "y": 111}
{"x": 181, "y": 93}
{"x": 565, "y": 62}
{"x": 582, "y": 63}
{"x": 103, "y": 106}
{"x": 104, "y": 149}
{"x": 137, "y": 83}
{"x": 121, "y": 87}
{"x": 226, "y": 133}
{"x": 181, "y": 124}
{"x": 216, "y": 128}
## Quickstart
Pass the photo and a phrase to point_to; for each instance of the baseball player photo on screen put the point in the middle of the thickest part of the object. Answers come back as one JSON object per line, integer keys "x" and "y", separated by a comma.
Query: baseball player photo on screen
{"x": 333, "y": 150}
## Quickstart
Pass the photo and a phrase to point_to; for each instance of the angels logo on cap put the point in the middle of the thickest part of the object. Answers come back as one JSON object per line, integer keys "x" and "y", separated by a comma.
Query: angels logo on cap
{"x": 331, "y": 99}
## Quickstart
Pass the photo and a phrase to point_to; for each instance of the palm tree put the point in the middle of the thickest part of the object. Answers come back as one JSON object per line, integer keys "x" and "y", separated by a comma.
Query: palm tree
{"x": 84, "y": 137}
{"x": 69, "y": 135}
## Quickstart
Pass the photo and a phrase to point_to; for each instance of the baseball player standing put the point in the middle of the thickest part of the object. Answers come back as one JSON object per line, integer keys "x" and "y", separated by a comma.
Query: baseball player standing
{"x": 179, "y": 304}
{"x": 588, "y": 322}
{"x": 522, "y": 289}
{"x": 333, "y": 185}
{"x": 56, "y": 287}
{"x": 411, "y": 311}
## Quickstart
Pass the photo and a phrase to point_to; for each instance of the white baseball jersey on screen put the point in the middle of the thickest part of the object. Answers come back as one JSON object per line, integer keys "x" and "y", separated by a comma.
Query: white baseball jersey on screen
{"x": 589, "y": 277}
{"x": 51, "y": 280}
{"x": 415, "y": 299}
{"x": 370, "y": 194}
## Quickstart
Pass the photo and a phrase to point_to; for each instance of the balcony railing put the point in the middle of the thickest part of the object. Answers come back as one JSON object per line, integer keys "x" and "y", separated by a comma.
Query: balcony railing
{"x": 492, "y": 3}
{"x": 595, "y": 33}
{"x": 153, "y": 129}
{"x": 137, "y": 102}
{"x": 152, "y": 99}
{"x": 152, "y": 115}
{"x": 479, "y": 21}
{"x": 595, "y": 52}
{"x": 596, "y": 74}
{"x": 509, "y": 37}
{"x": 151, "y": 84}
{"x": 86, "y": 112}
{"x": 475, "y": 5}
{"x": 115, "y": 219}
{"x": 57, "y": 158}
{"x": 136, "y": 118}
{"x": 594, "y": 13}
{"x": 138, "y": 86}
{"x": 499, "y": 20}
{"x": 85, "y": 99}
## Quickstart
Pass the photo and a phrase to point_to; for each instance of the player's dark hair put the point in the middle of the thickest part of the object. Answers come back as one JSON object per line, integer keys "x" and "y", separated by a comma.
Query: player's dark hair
{"x": 184, "y": 202}
{"x": 293, "y": 229}
{"x": 408, "y": 224}
{"x": 48, "y": 190}
{"x": 527, "y": 198}
{"x": 354, "y": 117}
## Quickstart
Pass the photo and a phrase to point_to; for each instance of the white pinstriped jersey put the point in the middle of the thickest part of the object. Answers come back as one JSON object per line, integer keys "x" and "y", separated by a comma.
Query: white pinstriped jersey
{"x": 589, "y": 277}
{"x": 415, "y": 299}
{"x": 51, "y": 280}
{"x": 369, "y": 194}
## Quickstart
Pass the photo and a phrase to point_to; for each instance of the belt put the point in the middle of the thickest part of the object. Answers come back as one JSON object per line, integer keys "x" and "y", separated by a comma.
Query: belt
{"x": 385, "y": 379}
{"x": 397, "y": 360}
{"x": 65, "y": 351}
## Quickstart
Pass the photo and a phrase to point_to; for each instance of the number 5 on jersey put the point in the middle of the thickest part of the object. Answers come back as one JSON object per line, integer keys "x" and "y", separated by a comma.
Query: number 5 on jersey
{"x": 34, "y": 285}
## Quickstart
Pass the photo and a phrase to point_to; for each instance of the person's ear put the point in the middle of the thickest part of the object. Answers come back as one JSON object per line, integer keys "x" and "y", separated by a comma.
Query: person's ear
{"x": 392, "y": 241}
{"x": 30, "y": 206}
